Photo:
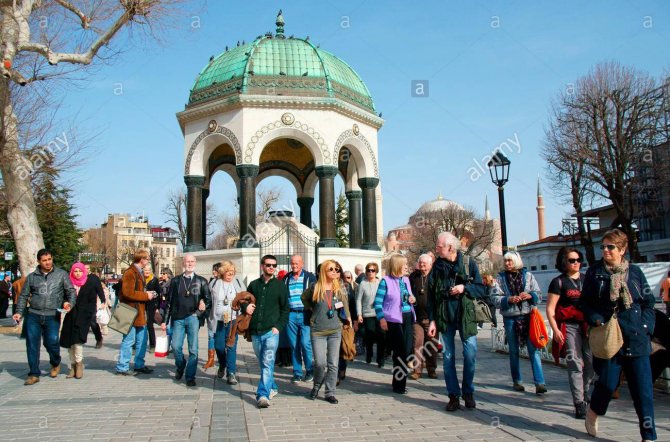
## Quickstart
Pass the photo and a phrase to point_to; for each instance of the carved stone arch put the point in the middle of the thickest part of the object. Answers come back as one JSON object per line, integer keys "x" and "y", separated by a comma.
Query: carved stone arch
{"x": 289, "y": 128}
{"x": 360, "y": 147}
{"x": 231, "y": 139}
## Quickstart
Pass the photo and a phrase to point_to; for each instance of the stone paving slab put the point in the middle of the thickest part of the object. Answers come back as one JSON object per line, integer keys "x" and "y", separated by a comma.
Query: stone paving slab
{"x": 103, "y": 406}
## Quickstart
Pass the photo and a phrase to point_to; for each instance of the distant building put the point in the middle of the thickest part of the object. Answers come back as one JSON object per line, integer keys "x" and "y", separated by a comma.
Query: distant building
{"x": 110, "y": 247}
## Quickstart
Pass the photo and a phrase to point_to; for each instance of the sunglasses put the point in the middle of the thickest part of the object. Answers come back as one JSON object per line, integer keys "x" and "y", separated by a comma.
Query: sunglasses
{"x": 333, "y": 269}
{"x": 270, "y": 265}
{"x": 609, "y": 247}
{"x": 370, "y": 270}
{"x": 574, "y": 260}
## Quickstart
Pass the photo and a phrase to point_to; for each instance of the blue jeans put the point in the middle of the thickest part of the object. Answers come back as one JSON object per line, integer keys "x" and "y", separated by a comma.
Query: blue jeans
{"x": 301, "y": 346}
{"x": 210, "y": 340}
{"x": 227, "y": 355}
{"x": 40, "y": 328}
{"x": 187, "y": 327}
{"x": 533, "y": 354}
{"x": 265, "y": 347}
{"x": 640, "y": 385}
{"x": 449, "y": 362}
{"x": 137, "y": 336}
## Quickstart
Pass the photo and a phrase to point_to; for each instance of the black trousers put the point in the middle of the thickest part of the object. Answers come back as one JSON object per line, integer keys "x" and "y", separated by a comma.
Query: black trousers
{"x": 96, "y": 328}
{"x": 4, "y": 305}
{"x": 373, "y": 334}
{"x": 401, "y": 338}
{"x": 151, "y": 312}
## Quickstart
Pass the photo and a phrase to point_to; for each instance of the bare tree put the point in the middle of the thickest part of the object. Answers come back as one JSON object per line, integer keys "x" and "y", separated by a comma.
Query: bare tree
{"x": 477, "y": 234}
{"x": 43, "y": 40}
{"x": 175, "y": 212}
{"x": 609, "y": 122}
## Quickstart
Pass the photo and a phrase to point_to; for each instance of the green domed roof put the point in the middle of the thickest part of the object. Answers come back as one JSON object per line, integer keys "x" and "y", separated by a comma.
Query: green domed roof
{"x": 275, "y": 65}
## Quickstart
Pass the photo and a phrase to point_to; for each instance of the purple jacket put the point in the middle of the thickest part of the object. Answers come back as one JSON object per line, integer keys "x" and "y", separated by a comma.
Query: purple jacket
{"x": 388, "y": 303}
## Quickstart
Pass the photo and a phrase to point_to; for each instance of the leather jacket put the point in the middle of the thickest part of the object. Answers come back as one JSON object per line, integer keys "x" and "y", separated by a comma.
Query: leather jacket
{"x": 46, "y": 293}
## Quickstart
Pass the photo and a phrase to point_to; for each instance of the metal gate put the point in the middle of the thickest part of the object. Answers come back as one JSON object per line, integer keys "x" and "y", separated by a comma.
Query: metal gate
{"x": 288, "y": 242}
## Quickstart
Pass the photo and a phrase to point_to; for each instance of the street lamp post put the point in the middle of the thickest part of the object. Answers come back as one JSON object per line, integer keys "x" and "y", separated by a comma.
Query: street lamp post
{"x": 499, "y": 169}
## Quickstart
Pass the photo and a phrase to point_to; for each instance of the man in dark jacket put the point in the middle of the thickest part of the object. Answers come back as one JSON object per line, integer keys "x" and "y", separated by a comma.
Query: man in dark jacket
{"x": 297, "y": 329}
{"x": 189, "y": 297}
{"x": 425, "y": 347}
{"x": 453, "y": 285}
{"x": 48, "y": 290}
{"x": 268, "y": 317}
{"x": 5, "y": 294}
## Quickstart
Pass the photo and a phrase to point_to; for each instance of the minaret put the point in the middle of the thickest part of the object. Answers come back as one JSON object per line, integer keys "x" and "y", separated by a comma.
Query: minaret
{"x": 540, "y": 212}
{"x": 487, "y": 213}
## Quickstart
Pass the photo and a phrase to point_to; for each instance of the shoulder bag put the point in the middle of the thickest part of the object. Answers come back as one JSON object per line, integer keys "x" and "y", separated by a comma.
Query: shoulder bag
{"x": 606, "y": 341}
{"x": 123, "y": 317}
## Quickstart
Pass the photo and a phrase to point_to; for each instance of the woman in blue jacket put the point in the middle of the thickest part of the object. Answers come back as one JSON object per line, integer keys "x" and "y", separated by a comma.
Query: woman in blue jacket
{"x": 614, "y": 284}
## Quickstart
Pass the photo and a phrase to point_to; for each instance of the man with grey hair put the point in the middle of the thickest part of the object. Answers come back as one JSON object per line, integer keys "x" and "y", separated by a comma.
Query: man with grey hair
{"x": 453, "y": 285}
{"x": 189, "y": 298}
{"x": 425, "y": 347}
{"x": 359, "y": 270}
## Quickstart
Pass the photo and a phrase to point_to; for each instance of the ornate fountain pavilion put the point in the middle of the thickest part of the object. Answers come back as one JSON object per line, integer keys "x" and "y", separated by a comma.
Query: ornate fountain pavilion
{"x": 281, "y": 106}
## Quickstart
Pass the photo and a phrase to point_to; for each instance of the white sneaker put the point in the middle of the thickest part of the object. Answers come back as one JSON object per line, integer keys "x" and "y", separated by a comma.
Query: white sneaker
{"x": 591, "y": 422}
{"x": 273, "y": 393}
{"x": 263, "y": 403}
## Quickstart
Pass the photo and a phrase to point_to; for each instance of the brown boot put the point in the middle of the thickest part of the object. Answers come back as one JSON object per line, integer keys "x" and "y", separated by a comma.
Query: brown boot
{"x": 210, "y": 359}
{"x": 71, "y": 374}
{"x": 54, "y": 371}
{"x": 31, "y": 380}
{"x": 79, "y": 370}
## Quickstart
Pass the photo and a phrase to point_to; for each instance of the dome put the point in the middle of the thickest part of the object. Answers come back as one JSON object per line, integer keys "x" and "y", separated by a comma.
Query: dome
{"x": 438, "y": 205}
{"x": 278, "y": 65}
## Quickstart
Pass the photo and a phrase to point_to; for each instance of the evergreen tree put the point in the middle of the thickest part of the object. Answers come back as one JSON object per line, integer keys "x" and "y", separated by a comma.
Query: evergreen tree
{"x": 342, "y": 221}
{"x": 55, "y": 213}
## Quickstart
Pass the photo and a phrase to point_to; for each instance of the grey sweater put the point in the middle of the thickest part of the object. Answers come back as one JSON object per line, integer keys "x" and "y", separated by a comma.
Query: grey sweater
{"x": 365, "y": 298}
{"x": 320, "y": 323}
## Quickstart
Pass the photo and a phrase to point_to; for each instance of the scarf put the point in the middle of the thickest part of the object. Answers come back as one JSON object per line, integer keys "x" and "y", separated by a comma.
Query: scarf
{"x": 81, "y": 281}
{"x": 515, "y": 282}
{"x": 618, "y": 283}
{"x": 148, "y": 279}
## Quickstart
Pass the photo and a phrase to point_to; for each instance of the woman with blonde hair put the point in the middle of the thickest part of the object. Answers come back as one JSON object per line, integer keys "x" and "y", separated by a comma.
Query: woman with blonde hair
{"x": 329, "y": 306}
{"x": 222, "y": 319}
{"x": 393, "y": 306}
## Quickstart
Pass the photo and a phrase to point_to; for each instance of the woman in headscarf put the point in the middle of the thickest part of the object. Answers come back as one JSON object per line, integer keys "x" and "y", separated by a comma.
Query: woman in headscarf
{"x": 613, "y": 285}
{"x": 78, "y": 320}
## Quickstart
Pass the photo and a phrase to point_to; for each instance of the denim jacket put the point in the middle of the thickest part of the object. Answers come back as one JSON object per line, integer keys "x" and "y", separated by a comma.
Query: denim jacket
{"x": 501, "y": 293}
{"x": 637, "y": 322}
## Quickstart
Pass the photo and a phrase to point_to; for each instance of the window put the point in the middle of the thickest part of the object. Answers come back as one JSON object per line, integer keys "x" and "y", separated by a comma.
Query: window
{"x": 124, "y": 243}
{"x": 533, "y": 268}
{"x": 544, "y": 267}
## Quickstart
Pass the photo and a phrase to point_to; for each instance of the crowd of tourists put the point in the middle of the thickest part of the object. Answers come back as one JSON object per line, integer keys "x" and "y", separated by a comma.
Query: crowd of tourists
{"x": 323, "y": 317}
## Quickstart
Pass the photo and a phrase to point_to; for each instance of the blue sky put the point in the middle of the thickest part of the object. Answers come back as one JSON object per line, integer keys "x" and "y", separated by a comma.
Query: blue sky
{"x": 493, "y": 68}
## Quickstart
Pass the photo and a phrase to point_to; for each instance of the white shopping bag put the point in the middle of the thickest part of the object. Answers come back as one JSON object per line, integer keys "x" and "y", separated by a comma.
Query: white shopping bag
{"x": 161, "y": 346}
{"x": 103, "y": 316}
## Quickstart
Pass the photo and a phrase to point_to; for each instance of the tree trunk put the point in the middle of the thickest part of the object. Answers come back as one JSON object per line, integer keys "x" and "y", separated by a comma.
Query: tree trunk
{"x": 16, "y": 175}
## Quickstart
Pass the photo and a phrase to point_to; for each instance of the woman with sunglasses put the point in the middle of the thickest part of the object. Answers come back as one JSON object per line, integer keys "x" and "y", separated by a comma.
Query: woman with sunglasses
{"x": 614, "y": 285}
{"x": 570, "y": 329}
{"x": 367, "y": 318}
{"x": 393, "y": 306}
{"x": 328, "y": 303}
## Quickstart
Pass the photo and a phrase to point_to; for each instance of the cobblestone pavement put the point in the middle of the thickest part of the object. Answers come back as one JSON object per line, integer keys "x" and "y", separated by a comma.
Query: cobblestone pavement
{"x": 103, "y": 406}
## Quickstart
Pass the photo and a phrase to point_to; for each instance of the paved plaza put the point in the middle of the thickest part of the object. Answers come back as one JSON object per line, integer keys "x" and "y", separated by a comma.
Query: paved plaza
{"x": 103, "y": 406}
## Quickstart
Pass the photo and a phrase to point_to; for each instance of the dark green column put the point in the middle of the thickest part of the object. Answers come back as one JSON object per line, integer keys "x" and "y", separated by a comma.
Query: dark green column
{"x": 205, "y": 195}
{"x": 326, "y": 176}
{"x": 305, "y": 203}
{"x": 355, "y": 198}
{"x": 368, "y": 186}
{"x": 247, "y": 199}
{"x": 194, "y": 211}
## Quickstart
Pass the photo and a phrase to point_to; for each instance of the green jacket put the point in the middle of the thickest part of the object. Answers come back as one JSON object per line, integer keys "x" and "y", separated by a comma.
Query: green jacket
{"x": 271, "y": 306}
{"x": 447, "y": 310}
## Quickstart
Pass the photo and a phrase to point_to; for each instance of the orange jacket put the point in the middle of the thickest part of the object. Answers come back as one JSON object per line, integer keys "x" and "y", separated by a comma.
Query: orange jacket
{"x": 665, "y": 289}
{"x": 17, "y": 286}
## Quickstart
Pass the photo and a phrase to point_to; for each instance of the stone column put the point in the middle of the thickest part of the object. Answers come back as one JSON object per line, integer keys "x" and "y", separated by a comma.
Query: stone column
{"x": 205, "y": 195}
{"x": 194, "y": 211}
{"x": 305, "y": 203}
{"x": 368, "y": 186}
{"x": 247, "y": 199}
{"x": 354, "y": 197}
{"x": 326, "y": 176}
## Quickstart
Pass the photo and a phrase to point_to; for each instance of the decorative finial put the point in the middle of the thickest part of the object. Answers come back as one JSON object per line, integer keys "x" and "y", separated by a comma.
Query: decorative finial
{"x": 280, "y": 24}
{"x": 439, "y": 197}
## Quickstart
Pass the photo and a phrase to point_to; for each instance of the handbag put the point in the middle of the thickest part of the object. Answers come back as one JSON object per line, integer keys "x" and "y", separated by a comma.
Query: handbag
{"x": 482, "y": 311}
{"x": 122, "y": 318}
{"x": 606, "y": 341}
{"x": 537, "y": 330}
